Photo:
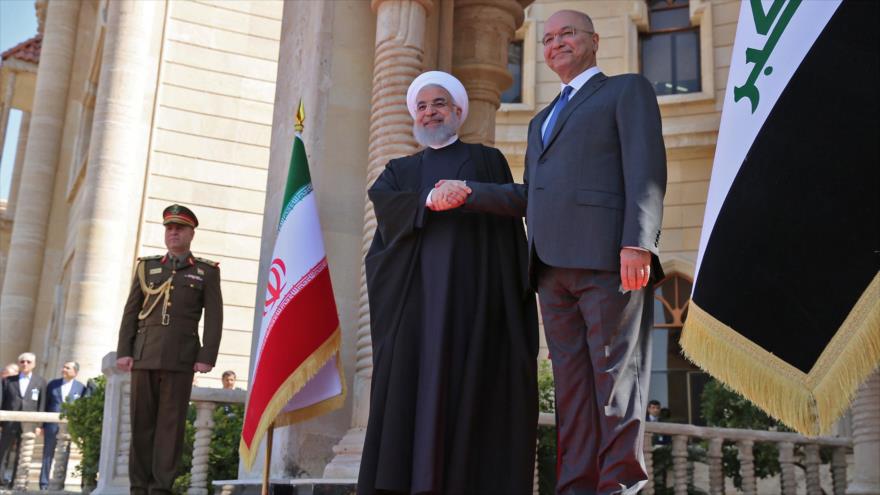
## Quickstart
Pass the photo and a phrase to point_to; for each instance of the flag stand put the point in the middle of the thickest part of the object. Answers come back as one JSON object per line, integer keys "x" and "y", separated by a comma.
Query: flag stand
{"x": 269, "y": 435}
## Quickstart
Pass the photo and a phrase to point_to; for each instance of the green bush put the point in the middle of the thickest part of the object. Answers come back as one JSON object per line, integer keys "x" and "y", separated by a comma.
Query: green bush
{"x": 546, "y": 434}
{"x": 85, "y": 418}
{"x": 725, "y": 408}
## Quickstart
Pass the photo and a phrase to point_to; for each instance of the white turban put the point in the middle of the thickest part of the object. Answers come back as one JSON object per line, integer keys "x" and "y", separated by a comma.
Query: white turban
{"x": 445, "y": 81}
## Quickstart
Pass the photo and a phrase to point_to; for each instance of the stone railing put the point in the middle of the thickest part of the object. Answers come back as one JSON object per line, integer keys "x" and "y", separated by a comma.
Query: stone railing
{"x": 681, "y": 435}
{"x": 116, "y": 435}
{"x": 29, "y": 441}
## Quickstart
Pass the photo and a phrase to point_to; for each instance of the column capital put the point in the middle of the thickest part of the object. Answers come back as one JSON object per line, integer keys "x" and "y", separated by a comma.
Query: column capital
{"x": 428, "y": 5}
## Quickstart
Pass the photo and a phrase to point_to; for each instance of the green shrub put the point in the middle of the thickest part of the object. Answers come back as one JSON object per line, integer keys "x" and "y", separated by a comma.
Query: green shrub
{"x": 85, "y": 418}
{"x": 546, "y": 434}
{"x": 725, "y": 408}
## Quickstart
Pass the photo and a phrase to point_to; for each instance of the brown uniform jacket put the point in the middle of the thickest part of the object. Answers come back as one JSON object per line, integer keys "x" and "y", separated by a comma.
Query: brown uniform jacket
{"x": 174, "y": 345}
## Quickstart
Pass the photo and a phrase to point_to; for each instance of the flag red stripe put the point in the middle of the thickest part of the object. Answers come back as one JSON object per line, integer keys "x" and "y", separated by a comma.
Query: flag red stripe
{"x": 306, "y": 323}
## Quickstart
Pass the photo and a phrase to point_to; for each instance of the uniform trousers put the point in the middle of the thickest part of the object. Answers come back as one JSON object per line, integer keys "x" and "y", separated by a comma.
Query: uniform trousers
{"x": 159, "y": 403}
{"x": 599, "y": 343}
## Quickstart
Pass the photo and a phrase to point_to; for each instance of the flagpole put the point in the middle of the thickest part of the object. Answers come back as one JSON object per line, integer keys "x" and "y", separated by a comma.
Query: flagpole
{"x": 269, "y": 436}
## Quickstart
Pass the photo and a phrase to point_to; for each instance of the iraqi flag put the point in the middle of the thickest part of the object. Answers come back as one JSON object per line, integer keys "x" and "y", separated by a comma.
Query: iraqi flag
{"x": 298, "y": 373}
{"x": 785, "y": 305}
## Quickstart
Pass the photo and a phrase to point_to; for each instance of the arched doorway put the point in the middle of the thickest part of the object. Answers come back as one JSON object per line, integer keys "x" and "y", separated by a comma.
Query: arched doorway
{"x": 675, "y": 381}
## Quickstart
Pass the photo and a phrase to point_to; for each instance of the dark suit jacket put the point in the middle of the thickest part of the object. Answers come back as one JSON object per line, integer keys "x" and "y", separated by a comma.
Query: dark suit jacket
{"x": 175, "y": 346}
{"x": 598, "y": 185}
{"x": 54, "y": 399}
{"x": 34, "y": 398}
{"x": 53, "y": 394}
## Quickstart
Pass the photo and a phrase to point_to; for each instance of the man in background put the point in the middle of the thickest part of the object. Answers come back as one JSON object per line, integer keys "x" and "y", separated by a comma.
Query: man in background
{"x": 228, "y": 380}
{"x": 59, "y": 391}
{"x": 23, "y": 392}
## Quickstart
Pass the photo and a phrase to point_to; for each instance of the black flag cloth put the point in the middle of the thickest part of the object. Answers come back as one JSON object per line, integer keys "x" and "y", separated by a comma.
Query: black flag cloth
{"x": 785, "y": 305}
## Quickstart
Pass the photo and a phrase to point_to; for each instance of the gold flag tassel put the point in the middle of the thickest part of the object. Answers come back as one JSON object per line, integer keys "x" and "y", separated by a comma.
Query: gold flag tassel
{"x": 809, "y": 403}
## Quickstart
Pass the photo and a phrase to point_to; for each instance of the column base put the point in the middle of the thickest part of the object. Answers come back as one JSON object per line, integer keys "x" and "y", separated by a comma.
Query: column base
{"x": 347, "y": 462}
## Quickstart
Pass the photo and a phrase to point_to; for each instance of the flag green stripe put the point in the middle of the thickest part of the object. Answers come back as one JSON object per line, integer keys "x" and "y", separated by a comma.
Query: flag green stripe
{"x": 298, "y": 178}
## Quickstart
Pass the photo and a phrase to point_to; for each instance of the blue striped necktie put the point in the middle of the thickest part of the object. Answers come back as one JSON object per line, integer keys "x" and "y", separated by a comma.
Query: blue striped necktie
{"x": 557, "y": 109}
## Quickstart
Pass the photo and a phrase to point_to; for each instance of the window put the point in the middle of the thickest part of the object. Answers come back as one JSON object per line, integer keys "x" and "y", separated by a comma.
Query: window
{"x": 514, "y": 94}
{"x": 675, "y": 382}
{"x": 670, "y": 49}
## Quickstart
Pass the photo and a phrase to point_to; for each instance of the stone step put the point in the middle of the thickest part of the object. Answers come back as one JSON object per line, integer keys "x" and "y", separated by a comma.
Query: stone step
{"x": 293, "y": 486}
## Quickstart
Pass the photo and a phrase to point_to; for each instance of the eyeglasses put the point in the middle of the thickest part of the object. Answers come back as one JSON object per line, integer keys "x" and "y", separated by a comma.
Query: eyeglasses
{"x": 438, "y": 104}
{"x": 564, "y": 34}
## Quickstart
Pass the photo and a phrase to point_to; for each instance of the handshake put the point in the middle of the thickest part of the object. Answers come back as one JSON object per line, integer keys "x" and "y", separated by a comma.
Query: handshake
{"x": 448, "y": 194}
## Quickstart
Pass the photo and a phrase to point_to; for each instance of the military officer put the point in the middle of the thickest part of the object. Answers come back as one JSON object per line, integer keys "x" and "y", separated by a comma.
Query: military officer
{"x": 159, "y": 343}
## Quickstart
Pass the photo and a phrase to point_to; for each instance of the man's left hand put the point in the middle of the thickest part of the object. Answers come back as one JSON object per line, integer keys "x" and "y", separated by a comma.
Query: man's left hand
{"x": 202, "y": 367}
{"x": 635, "y": 268}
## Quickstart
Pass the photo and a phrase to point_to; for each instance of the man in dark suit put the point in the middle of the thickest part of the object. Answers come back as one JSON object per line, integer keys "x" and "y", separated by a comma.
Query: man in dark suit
{"x": 593, "y": 200}
{"x": 159, "y": 343}
{"x": 58, "y": 391}
{"x": 23, "y": 392}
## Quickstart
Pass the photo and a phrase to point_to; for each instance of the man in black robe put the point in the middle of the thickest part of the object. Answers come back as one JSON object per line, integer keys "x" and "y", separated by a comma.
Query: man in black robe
{"x": 454, "y": 325}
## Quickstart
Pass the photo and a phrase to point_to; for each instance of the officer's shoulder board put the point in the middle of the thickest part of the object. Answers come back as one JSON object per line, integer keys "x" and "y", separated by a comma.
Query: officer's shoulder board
{"x": 150, "y": 258}
{"x": 208, "y": 262}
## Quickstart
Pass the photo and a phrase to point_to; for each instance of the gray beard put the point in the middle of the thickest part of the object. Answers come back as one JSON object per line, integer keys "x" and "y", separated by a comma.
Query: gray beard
{"x": 437, "y": 136}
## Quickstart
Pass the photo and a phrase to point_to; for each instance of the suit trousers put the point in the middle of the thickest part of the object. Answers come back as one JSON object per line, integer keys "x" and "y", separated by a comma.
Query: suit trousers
{"x": 159, "y": 403}
{"x": 599, "y": 342}
{"x": 50, "y": 439}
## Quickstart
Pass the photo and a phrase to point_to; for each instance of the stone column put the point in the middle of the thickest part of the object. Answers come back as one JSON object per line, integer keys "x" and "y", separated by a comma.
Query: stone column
{"x": 483, "y": 31}
{"x": 648, "y": 450}
{"x": 204, "y": 425}
{"x": 813, "y": 463}
{"x": 62, "y": 456}
{"x": 110, "y": 202}
{"x": 5, "y": 107}
{"x": 400, "y": 30}
{"x": 21, "y": 285}
{"x": 20, "y": 150}
{"x": 27, "y": 441}
{"x": 679, "y": 464}
{"x": 866, "y": 439}
{"x": 716, "y": 466}
{"x": 116, "y": 430}
{"x": 747, "y": 466}
{"x": 786, "y": 462}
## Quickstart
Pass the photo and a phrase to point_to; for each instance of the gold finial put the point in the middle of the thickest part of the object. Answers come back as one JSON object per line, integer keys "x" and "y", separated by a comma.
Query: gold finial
{"x": 300, "y": 117}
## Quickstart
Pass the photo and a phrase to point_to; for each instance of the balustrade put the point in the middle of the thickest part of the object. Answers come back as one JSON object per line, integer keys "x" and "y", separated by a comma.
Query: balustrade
{"x": 713, "y": 441}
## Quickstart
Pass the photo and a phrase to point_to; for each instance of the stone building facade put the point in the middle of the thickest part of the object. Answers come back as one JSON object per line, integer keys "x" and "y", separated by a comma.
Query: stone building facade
{"x": 133, "y": 106}
{"x": 148, "y": 103}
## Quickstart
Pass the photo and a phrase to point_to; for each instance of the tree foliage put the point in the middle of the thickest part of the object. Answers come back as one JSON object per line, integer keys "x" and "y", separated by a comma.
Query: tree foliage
{"x": 85, "y": 419}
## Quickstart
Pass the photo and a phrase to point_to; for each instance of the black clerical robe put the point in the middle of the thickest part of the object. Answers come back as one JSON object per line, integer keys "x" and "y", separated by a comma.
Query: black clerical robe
{"x": 454, "y": 326}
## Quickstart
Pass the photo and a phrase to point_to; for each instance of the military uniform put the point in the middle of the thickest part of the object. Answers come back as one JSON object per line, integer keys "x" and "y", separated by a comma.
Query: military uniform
{"x": 160, "y": 332}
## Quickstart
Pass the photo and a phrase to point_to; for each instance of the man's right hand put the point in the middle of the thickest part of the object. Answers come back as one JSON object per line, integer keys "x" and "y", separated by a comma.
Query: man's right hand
{"x": 124, "y": 363}
{"x": 449, "y": 194}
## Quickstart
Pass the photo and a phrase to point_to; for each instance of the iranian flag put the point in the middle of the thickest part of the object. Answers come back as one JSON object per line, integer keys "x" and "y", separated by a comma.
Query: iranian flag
{"x": 297, "y": 374}
{"x": 786, "y": 300}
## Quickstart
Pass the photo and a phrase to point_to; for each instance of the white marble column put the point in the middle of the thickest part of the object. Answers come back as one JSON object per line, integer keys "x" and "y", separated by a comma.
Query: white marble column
{"x": 20, "y": 150}
{"x": 27, "y": 244}
{"x": 400, "y": 31}
{"x": 866, "y": 439}
{"x": 116, "y": 430}
{"x": 111, "y": 199}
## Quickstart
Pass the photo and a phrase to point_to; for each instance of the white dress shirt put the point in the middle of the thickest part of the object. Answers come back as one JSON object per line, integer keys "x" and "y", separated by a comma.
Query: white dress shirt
{"x": 576, "y": 84}
{"x": 23, "y": 382}
{"x": 65, "y": 389}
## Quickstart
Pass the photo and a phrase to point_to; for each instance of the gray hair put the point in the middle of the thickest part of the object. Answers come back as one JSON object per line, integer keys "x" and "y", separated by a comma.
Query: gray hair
{"x": 26, "y": 355}
{"x": 75, "y": 365}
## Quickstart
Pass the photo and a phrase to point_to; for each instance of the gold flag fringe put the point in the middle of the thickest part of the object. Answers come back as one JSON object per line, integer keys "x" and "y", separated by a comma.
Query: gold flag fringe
{"x": 808, "y": 403}
{"x": 296, "y": 381}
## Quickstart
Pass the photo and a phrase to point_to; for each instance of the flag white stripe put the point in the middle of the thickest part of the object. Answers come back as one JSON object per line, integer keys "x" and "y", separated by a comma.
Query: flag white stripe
{"x": 300, "y": 244}
{"x": 739, "y": 126}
